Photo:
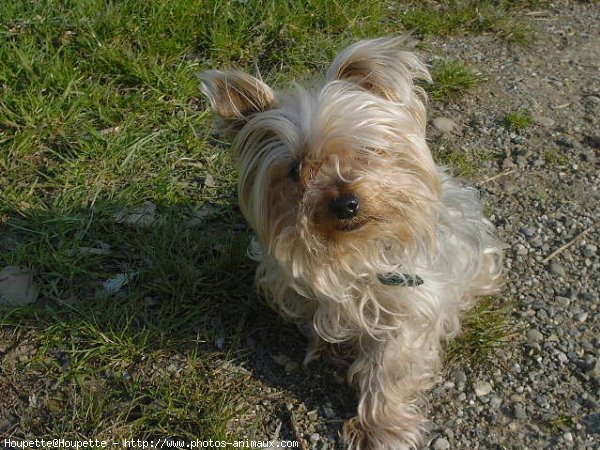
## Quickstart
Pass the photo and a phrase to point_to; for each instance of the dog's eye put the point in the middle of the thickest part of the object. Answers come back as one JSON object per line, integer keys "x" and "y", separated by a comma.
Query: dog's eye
{"x": 294, "y": 173}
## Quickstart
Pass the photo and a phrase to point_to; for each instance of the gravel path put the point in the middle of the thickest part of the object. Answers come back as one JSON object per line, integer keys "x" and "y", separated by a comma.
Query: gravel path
{"x": 543, "y": 389}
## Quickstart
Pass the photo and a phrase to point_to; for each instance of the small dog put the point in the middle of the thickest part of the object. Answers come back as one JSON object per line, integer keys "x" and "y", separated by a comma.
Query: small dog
{"x": 362, "y": 239}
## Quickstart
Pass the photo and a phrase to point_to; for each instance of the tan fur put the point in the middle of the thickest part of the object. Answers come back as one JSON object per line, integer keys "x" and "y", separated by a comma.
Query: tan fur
{"x": 361, "y": 134}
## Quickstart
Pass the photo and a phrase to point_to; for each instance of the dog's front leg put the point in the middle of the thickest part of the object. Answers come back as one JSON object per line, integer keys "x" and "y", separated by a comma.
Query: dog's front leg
{"x": 390, "y": 374}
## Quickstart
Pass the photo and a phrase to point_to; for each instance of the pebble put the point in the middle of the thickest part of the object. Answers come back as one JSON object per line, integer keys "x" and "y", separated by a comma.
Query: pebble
{"x": 522, "y": 250}
{"x": 516, "y": 398}
{"x": 209, "y": 181}
{"x": 519, "y": 411}
{"x": 589, "y": 251}
{"x": 495, "y": 402}
{"x": 444, "y": 124}
{"x": 546, "y": 122}
{"x": 17, "y": 287}
{"x": 527, "y": 232}
{"x": 482, "y": 388}
{"x": 534, "y": 337}
{"x": 593, "y": 368}
{"x": 142, "y": 216}
{"x": 441, "y": 443}
{"x": 460, "y": 377}
{"x": 557, "y": 269}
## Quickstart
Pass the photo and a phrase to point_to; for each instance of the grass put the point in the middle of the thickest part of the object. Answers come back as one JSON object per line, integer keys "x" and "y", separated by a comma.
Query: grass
{"x": 452, "y": 80}
{"x": 485, "y": 328}
{"x": 99, "y": 113}
{"x": 456, "y": 17}
{"x": 518, "y": 120}
{"x": 555, "y": 157}
{"x": 465, "y": 163}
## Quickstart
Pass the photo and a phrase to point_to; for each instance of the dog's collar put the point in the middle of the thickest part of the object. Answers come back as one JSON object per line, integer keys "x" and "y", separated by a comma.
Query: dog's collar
{"x": 400, "y": 279}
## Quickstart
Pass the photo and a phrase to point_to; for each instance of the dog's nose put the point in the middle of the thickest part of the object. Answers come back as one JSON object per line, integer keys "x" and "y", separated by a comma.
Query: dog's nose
{"x": 345, "y": 206}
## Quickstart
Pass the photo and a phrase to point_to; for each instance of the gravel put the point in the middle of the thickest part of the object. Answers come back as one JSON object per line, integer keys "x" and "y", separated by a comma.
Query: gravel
{"x": 543, "y": 389}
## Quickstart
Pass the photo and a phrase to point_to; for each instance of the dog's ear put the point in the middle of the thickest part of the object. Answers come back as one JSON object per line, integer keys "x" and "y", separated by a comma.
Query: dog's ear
{"x": 235, "y": 97}
{"x": 382, "y": 66}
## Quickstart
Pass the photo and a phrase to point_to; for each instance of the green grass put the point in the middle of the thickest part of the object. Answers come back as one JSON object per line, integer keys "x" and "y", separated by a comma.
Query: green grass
{"x": 465, "y": 163}
{"x": 100, "y": 112}
{"x": 555, "y": 157}
{"x": 485, "y": 328}
{"x": 458, "y": 17}
{"x": 518, "y": 120}
{"x": 452, "y": 80}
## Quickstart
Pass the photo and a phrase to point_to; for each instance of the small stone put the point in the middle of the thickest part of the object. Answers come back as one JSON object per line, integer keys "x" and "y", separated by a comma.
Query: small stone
{"x": 209, "y": 181}
{"x": 534, "y": 337}
{"x": 17, "y": 287}
{"x": 441, "y": 444}
{"x": 557, "y": 269}
{"x": 593, "y": 368}
{"x": 562, "y": 358}
{"x": 315, "y": 437}
{"x": 546, "y": 122}
{"x": 582, "y": 317}
{"x": 527, "y": 232}
{"x": 563, "y": 301}
{"x": 516, "y": 398}
{"x": 521, "y": 250}
{"x": 593, "y": 141}
{"x": 312, "y": 415}
{"x": 460, "y": 377}
{"x": 495, "y": 402}
{"x": 443, "y": 124}
{"x": 590, "y": 250}
{"x": 143, "y": 216}
{"x": 482, "y": 388}
{"x": 566, "y": 141}
{"x": 519, "y": 411}
{"x": 568, "y": 437}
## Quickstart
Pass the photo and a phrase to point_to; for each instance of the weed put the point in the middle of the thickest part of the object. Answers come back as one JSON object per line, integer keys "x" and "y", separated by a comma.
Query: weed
{"x": 452, "y": 80}
{"x": 518, "y": 120}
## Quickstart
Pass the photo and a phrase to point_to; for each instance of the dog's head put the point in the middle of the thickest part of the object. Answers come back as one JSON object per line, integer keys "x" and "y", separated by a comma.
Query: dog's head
{"x": 335, "y": 173}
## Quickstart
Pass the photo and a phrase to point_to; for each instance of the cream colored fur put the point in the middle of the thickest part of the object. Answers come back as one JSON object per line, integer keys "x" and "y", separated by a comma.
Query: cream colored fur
{"x": 361, "y": 132}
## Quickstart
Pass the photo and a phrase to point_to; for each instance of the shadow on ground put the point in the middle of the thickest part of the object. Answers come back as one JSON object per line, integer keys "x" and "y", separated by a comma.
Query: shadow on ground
{"x": 185, "y": 348}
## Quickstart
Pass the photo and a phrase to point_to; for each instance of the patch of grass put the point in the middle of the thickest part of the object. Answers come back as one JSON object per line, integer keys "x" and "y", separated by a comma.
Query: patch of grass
{"x": 465, "y": 163}
{"x": 555, "y": 157}
{"x": 456, "y": 17}
{"x": 562, "y": 422}
{"x": 518, "y": 120}
{"x": 485, "y": 328}
{"x": 452, "y": 80}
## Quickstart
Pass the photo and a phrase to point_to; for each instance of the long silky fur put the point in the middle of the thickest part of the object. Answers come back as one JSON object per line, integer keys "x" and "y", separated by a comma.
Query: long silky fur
{"x": 364, "y": 128}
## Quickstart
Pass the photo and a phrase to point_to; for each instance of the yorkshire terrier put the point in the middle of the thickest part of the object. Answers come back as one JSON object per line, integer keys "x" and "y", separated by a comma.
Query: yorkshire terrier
{"x": 362, "y": 239}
